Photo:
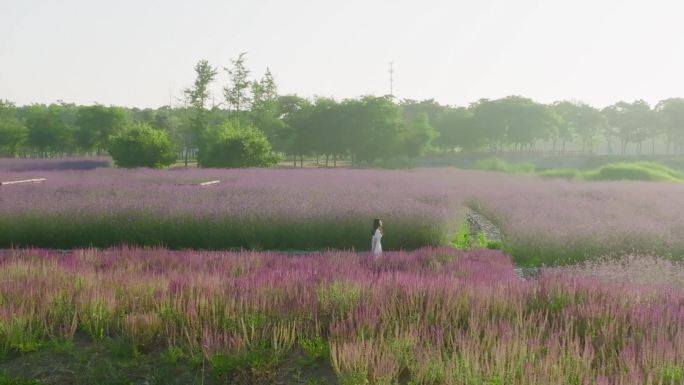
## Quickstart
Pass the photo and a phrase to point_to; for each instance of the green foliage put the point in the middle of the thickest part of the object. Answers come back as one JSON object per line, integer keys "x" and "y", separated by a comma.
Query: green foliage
{"x": 464, "y": 239}
{"x": 631, "y": 122}
{"x": 338, "y": 297}
{"x": 577, "y": 120}
{"x": 644, "y": 171}
{"x": 672, "y": 374}
{"x": 173, "y": 355}
{"x": 429, "y": 370}
{"x": 140, "y": 145}
{"x": 186, "y": 231}
{"x": 495, "y": 245}
{"x": 47, "y": 130}
{"x": 254, "y": 362}
{"x": 97, "y": 320}
{"x": 354, "y": 377}
{"x": 13, "y": 132}
{"x": 567, "y": 173}
{"x": 231, "y": 146}
{"x": 102, "y": 362}
{"x": 456, "y": 129}
{"x": 197, "y": 96}
{"x": 95, "y": 124}
{"x": 19, "y": 333}
{"x": 417, "y": 136}
{"x": 315, "y": 348}
{"x": 639, "y": 171}
{"x": 236, "y": 94}
{"x": 513, "y": 120}
{"x": 499, "y": 165}
{"x": 8, "y": 380}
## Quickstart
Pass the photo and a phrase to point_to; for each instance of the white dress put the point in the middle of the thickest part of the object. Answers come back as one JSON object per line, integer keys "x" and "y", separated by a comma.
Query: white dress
{"x": 376, "y": 247}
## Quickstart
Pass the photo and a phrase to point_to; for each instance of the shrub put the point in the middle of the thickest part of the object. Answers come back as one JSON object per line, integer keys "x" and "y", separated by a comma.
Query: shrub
{"x": 230, "y": 146}
{"x": 496, "y": 164}
{"x": 645, "y": 171}
{"x": 642, "y": 171}
{"x": 8, "y": 380}
{"x": 567, "y": 173}
{"x": 140, "y": 145}
{"x": 316, "y": 348}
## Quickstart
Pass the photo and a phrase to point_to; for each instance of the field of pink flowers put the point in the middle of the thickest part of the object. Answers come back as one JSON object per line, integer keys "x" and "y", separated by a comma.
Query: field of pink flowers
{"x": 431, "y": 316}
{"x": 543, "y": 221}
{"x": 256, "y": 209}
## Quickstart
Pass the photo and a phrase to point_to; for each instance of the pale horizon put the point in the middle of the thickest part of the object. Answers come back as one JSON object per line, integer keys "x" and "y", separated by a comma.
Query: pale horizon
{"x": 142, "y": 55}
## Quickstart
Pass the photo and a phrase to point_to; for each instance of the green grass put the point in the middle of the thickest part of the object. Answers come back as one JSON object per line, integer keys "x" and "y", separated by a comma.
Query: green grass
{"x": 499, "y": 165}
{"x": 181, "y": 232}
{"x": 114, "y": 361}
{"x": 566, "y": 173}
{"x": 10, "y": 380}
{"x": 466, "y": 240}
{"x": 637, "y": 171}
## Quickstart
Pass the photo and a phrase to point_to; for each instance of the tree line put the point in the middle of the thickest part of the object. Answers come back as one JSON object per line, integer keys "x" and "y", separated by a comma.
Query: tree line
{"x": 254, "y": 125}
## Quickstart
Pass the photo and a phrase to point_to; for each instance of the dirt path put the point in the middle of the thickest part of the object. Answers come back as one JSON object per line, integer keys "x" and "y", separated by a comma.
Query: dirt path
{"x": 479, "y": 223}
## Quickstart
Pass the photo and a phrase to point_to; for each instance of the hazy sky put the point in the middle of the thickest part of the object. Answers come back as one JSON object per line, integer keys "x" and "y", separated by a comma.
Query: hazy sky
{"x": 138, "y": 53}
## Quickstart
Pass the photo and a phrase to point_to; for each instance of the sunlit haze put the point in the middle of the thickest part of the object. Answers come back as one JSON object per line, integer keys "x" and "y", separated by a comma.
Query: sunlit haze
{"x": 142, "y": 53}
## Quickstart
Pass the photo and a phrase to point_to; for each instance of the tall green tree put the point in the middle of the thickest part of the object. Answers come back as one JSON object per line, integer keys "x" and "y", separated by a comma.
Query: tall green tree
{"x": 236, "y": 93}
{"x": 293, "y": 112}
{"x": 512, "y": 120}
{"x": 526, "y": 121}
{"x": 578, "y": 120}
{"x": 456, "y": 129}
{"x": 634, "y": 122}
{"x": 95, "y": 124}
{"x": 47, "y": 131}
{"x": 303, "y": 121}
{"x": 197, "y": 96}
{"x": 266, "y": 110}
{"x": 671, "y": 119}
{"x": 489, "y": 119}
{"x": 565, "y": 110}
{"x": 13, "y": 132}
{"x": 430, "y": 108}
{"x": 417, "y": 136}
{"x": 374, "y": 128}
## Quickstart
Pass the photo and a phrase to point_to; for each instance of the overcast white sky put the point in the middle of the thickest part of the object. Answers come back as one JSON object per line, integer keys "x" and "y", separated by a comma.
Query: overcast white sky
{"x": 138, "y": 52}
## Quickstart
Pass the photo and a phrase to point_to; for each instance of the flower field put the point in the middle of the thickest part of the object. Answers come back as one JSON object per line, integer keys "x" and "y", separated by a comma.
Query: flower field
{"x": 431, "y": 316}
{"x": 543, "y": 221}
{"x": 255, "y": 209}
{"x": 424, "y": 313}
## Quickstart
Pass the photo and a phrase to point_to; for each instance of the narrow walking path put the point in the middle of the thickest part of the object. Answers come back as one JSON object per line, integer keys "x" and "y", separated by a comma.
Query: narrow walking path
{"x": 478, "y": 223}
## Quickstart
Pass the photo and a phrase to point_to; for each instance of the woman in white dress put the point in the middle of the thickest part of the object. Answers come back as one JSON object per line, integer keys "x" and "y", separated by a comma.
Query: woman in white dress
{"x": 376, "y": 247}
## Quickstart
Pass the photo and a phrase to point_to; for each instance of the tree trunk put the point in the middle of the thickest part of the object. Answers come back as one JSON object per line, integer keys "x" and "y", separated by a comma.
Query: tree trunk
{"x": 327, "y": 156}
{"x": 301, "y": 160}
{"x": 294, "y": 160}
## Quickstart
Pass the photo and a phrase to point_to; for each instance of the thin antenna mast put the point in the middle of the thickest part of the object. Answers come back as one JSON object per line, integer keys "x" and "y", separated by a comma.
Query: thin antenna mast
{"x": 391, "y": 74}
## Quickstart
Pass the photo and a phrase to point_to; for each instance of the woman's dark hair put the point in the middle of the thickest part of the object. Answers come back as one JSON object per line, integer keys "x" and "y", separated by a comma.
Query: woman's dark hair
{"x": 376, "y": 225}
